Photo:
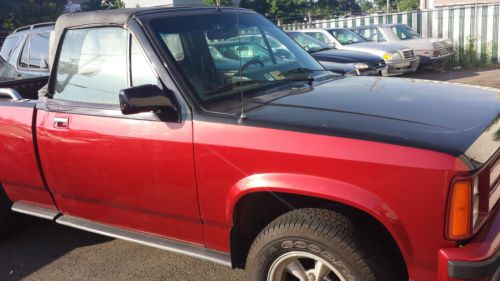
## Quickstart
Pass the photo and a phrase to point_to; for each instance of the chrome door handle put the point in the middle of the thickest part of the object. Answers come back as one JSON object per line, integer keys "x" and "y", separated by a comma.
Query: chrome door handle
{"x": 60, "y": 122}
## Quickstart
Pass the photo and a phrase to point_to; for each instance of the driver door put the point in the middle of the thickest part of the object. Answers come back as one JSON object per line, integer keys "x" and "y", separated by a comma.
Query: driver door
{"x": 134, "y": 171}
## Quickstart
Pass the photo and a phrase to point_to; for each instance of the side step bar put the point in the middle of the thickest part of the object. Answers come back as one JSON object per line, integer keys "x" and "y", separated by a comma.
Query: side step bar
{"x": 33, "y": 210}
{"x": 146, "y": 239}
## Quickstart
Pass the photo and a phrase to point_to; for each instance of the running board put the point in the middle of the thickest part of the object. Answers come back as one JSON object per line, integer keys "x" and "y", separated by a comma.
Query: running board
{"x": 146, "y": 239}
{"x": 34, "y": 210}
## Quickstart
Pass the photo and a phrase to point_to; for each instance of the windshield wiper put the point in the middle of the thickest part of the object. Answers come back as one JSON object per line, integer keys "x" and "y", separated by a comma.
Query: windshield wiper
{"x": 308, "y": 77}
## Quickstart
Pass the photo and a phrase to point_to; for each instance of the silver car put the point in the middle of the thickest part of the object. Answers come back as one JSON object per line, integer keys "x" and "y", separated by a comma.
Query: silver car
{"x": 25, "y": 53}
{"x": 428, "y": 49}
{"x": 398, "y": 58}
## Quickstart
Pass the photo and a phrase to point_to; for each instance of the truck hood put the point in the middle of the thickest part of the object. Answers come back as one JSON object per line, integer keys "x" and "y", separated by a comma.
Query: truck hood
{"x": 345, "y": 56}
{"x": 438, "y": 116}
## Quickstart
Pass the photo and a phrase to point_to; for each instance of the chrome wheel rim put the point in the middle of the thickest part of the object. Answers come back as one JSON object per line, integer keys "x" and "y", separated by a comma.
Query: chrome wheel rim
{"x": 302, "y": 266}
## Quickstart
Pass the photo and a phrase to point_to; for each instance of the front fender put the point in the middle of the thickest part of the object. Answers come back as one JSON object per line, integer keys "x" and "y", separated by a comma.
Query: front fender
{"x": 324, "y": 188}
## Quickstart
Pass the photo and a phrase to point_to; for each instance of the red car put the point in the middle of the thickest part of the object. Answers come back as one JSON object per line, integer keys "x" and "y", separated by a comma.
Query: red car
{"x": 274, "y": 165}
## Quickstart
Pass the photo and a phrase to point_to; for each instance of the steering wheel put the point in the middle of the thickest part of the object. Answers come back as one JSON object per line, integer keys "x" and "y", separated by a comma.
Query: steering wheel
{"x": 247, "y": 64}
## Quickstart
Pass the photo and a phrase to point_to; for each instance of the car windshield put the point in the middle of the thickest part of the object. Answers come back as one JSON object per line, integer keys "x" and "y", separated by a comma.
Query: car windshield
{"x": 309, "y": 43}
{"x": 404, "y": 32}
{"x": 346, "y": 36}
{"x": 223, "y": 55}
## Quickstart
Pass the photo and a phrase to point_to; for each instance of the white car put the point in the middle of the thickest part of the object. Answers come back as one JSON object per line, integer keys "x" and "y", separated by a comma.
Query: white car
{"x": 428, "y": 49}
{"x": 398, "y": 58}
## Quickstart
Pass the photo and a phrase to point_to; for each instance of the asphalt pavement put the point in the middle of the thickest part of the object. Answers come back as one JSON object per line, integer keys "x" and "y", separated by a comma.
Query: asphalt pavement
{"x": 44, "y": 250}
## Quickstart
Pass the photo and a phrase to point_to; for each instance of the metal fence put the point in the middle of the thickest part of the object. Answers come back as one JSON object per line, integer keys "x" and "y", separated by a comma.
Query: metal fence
{"x": 473, "y": 29}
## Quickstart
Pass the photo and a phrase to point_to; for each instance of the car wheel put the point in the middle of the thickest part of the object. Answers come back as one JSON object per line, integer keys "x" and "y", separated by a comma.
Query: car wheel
{"x": 314, "y": 245}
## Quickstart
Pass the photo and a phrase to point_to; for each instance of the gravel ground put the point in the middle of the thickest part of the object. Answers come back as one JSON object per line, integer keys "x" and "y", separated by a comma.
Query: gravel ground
{"x": 47, "y": 251}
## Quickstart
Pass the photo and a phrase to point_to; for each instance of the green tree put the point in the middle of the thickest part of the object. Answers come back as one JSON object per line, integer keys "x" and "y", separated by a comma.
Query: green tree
{"x": 398, "y": 5}
{"x": 112, "y": 4}
{"x": 94, "y": 5}
{"x": 408, "y": 5}
{"x": 25, "y": 12}
{"x": 227, "y": 3}
{"x": 366, "y": 5}
{"x": 260, "y": 6}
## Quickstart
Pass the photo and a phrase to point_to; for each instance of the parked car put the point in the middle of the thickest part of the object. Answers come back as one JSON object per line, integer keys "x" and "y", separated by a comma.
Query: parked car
{"x": 399, "y": 59}
{"x": 24, "y": 54}
{"x": 292, "y": 172}
{"x": 281, "y": 53}
{"x": 429, "y": 50}
{"x": 364, "y": 63}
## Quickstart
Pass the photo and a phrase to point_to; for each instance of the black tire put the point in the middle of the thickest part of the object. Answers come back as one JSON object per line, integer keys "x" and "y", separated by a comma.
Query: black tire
{"x": 326, "y": 234}
{"x": 9, "y": 221}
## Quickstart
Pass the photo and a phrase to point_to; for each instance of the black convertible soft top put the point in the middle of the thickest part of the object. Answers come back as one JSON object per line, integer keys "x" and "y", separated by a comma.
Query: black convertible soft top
{"x": 116, "y": 17}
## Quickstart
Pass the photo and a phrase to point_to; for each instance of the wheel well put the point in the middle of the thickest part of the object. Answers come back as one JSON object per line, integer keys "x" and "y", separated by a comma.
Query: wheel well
{"x": 255, "y": 211}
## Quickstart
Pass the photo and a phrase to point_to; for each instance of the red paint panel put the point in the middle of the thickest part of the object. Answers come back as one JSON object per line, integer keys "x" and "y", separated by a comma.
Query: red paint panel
{"x": 130, "y": 173}
{"x": 404, "y": 188}
{"x": 19, "y": 173}
{"x": 35, "y": 196}
{"x": 482, "y": 247}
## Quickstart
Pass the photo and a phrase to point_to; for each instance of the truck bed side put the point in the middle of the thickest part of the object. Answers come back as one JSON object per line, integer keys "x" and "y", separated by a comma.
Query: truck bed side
{"x": 27, "y": 88}
{"x": 20, "y": 174}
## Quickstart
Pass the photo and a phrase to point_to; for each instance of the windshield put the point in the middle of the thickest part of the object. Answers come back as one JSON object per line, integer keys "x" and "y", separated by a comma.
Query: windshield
{"x": 404, "y": 32}
{"x": 309, "y": 43}
{"x": 222, "y": 54}
{"x": 346, "y": 36}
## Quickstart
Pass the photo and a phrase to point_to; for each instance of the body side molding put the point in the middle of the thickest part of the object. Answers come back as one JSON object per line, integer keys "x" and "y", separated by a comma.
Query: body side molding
{"x": 33, "y": 210}
{"x": 146, "y": 239}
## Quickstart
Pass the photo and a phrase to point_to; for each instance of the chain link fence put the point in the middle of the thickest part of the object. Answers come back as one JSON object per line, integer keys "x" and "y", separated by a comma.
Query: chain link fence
{"x": 474, "y": 29}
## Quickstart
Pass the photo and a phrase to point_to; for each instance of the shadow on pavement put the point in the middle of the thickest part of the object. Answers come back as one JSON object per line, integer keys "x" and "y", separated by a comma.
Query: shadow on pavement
{"x": 487, "y": 76}
{"x": 38, "y": 243}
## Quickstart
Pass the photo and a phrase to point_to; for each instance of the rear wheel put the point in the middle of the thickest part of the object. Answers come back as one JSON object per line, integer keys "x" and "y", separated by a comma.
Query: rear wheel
{"x": 315, "y": 245}
{"x": 8, "y": 219}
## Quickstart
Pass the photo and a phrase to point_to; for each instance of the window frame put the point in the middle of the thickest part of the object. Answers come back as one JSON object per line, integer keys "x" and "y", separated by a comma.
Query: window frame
{"x": 131, "y": 38}
{"x": 53, "y": 80}
{"x": 49, "y": 104}
{"x": 28, "y": 42}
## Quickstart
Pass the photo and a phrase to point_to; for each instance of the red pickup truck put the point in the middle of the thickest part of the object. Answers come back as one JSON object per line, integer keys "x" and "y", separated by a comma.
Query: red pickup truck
{"x": 252, "y": 156}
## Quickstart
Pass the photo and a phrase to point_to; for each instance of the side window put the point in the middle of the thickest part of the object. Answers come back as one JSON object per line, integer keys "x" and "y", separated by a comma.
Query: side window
{"x": 8, "y": 45}
{"x": 380, "y": 37}
{"x": 35, "y": 53}
{"x": 174, "y": 45}
{"x": 366, "y": 33}
{"x": 92, "y": 65}
{"x": 25, "y": 60}
{"x": 140, "y": 67}
{"x": 319, "y": 36}
{"x": 39, "y": 50}
{"x": 398, "y": 32}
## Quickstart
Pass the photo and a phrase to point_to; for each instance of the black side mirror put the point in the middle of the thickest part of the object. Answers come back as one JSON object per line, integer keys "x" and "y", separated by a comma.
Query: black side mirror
{"x": 145, "y": 98}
